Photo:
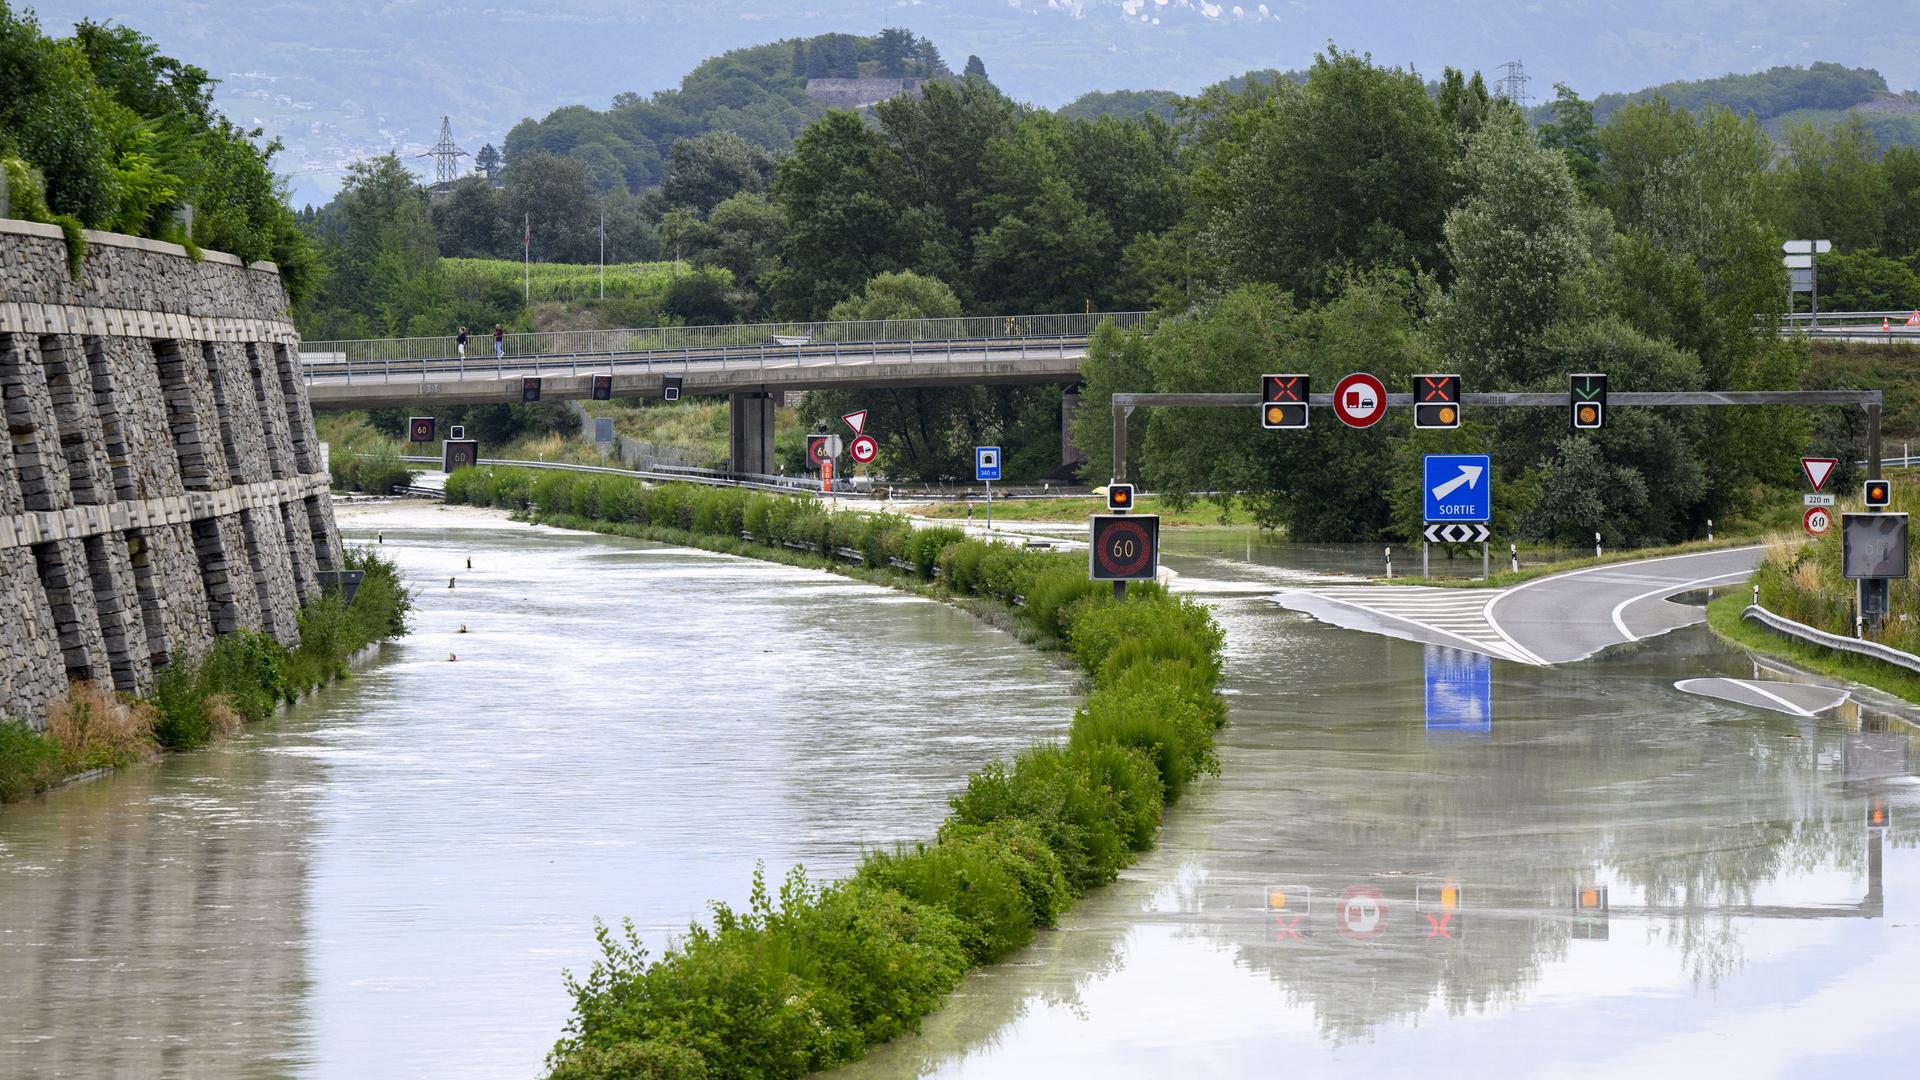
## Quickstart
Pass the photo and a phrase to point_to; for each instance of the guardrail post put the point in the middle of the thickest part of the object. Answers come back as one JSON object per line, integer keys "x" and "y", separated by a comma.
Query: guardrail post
{"x": 386, "y": 371}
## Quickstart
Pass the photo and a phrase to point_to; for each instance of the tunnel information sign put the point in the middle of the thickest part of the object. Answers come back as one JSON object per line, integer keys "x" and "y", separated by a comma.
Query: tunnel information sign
{"x": 1124, "y": 547}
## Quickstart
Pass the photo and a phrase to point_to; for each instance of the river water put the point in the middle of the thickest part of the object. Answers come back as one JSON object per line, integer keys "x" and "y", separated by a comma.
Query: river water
{"x": 1414, "y": 862}
{"x": 389, "y": 880}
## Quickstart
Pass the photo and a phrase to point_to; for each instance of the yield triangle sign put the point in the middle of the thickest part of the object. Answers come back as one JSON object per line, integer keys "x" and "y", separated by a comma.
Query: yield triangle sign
{"x": 1818, "y": 469}
{"x": 856, "y": 420}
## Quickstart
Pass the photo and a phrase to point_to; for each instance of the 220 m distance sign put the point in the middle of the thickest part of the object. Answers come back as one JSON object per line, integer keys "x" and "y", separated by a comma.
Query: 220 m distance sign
{"x": 1125, "y": 547}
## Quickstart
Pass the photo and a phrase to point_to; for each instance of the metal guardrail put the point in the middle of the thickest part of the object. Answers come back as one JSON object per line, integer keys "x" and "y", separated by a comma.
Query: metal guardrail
{"x": 1802, "y": 632}
{"x": 744, "y": 357}
{"x": 728, "y": 336}
{"x": 718, "y": 477}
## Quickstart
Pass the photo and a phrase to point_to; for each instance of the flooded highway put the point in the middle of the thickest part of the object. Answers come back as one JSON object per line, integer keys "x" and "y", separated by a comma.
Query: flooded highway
{"x": 389, "y": 880}
{"x": 1425, "y": 862}
{"x": 1415, "y": 861}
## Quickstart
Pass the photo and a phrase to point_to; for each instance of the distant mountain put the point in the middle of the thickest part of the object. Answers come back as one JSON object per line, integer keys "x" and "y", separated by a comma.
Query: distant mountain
{"x": 340, "y": 79}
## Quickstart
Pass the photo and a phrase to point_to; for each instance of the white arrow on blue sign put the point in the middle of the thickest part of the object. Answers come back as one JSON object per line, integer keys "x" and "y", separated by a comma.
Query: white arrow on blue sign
{"x": 986, "y": 463}
{"x": 1459, "y": 487}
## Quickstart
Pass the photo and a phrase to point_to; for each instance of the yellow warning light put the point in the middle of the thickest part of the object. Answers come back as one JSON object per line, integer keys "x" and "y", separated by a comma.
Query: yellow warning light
{"x": 1122, "y": 498}
{"x": 1589, "y": 414}
{"x": 1446, "y": 415}
{"x": 1276, "y": 900}
{"x": 1275, "y": 414}
{"x": 1590, "y": 897}
{"x": 1449, "y": 897}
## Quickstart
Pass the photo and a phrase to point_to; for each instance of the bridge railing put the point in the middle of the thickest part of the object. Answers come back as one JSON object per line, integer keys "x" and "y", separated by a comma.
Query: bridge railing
{"x": 332, "y": 371}
{"x": 702, "y": 338}
{"x": 1890, "y": 325}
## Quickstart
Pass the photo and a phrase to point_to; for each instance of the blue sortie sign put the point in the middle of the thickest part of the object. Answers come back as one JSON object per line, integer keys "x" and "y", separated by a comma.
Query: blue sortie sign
{"x": 1459, "y": 487}
{"x": 1459, "y": 692}
{"x": 986, "y": 463}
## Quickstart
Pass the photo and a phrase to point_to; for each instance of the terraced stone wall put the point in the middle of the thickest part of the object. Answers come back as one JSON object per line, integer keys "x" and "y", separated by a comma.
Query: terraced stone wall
{"x": 160, "y": 482}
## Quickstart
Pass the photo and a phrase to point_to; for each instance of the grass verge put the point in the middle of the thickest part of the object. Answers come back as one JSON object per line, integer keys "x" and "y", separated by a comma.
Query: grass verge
{"x": 244, "y": 676}
{"x": 810, "y": 977}
{"x": 1723, "y": 616}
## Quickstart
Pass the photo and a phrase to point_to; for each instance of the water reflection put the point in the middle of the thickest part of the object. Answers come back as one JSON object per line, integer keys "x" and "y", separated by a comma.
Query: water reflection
{"x": 1610, "y": 867}
{"x": 389, "y": 881}
{"x": 1459, "y": 692}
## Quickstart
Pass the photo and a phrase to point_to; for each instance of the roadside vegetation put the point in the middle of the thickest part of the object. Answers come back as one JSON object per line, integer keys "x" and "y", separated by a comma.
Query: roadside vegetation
{"x": 1803, "y": 582}
{"x": 100, "y": 131}
{"x": 1070, "y": 510}
{"x": 812, "y": 973}
{"x": 244, "y": 677}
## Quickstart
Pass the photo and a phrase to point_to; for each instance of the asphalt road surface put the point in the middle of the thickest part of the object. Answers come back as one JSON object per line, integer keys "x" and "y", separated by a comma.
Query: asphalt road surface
{"x": 1549, "y": 620}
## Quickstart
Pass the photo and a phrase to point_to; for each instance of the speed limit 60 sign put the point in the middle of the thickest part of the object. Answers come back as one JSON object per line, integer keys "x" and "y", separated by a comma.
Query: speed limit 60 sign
{"x": 1125, "y": 547}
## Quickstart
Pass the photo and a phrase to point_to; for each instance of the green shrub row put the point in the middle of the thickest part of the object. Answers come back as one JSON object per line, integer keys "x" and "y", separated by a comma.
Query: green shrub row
{"x": 376, "y": 472}
{"x": 243, "y": 676}
{"x": 811, "y": 978}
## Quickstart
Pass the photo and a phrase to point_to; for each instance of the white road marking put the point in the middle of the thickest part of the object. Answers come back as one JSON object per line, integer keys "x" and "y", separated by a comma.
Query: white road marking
{"x": 1620, "y": 624}
{"x": 1411, "y": 612}
{"x": 1504, "y": 593}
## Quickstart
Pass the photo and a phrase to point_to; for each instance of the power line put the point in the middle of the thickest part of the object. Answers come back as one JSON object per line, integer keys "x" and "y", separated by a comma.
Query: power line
{"x": 1513, "y": 85}
{"x": 446, "y": 156}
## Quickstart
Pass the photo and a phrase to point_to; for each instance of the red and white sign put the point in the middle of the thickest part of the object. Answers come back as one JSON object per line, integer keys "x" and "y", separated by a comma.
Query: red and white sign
{"x": 1362, "y": 912}
{"x": 1818, "y": 469}
{"x": 1360, "y": 400}
{"x": 863, "y": 449}
{"x": 857, "y": 421}
{"x": 1817, "y": 520}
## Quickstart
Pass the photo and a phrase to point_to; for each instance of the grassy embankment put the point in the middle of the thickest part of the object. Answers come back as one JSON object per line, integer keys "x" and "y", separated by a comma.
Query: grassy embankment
{"x": 566, "y": 282}
{"x": 1802, "y": 582}
{"x": 812, "y": 976}
{"x": 245, "y": 676}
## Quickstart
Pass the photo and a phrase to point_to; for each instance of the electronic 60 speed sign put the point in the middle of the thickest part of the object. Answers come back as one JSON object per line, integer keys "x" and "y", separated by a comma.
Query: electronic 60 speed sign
{"x": 1125, "y": 547}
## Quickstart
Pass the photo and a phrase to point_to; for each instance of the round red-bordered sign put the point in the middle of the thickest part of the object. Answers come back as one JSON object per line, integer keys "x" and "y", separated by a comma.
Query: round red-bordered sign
{"x": 1362, "y": 913}
{"x": 1124, "y": 548}
{"x": 1817, "y": 520}
{"x": 1359, "y": 400}
{"x": 863, "y": 449}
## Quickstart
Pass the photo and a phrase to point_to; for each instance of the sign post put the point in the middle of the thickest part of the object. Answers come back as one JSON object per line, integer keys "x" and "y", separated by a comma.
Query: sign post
{"x": 986, "y": 468}
{"x": 1459, "y": 503}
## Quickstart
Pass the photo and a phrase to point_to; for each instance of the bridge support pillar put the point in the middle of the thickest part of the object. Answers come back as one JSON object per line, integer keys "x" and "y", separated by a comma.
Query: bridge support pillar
{"x": 750, "y": 431}
{"x": 1069, "y": 405}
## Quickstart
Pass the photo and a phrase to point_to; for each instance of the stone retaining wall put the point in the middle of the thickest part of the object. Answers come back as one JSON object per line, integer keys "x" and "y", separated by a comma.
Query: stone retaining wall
{"x": 160, "y": 481}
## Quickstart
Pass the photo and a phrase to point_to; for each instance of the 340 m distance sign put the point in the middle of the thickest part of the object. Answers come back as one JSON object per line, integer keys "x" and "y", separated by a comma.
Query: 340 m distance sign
{"x": 1125, "y": 547}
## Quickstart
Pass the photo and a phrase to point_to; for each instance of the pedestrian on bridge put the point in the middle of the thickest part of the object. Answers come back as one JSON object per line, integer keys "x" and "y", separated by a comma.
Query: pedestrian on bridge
{"x": 461, "y": 341}
{"x": 499, "y": 342}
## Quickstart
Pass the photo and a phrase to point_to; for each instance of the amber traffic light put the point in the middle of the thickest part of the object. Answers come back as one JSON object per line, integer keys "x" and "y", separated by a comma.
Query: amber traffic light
{"x": 1879, "y": 493}
{"x": 1436, "y": 401}
{"x": 1283, "y": 401}
{"x": 1120, "y": 497}
{"x": 1587, "y": 396}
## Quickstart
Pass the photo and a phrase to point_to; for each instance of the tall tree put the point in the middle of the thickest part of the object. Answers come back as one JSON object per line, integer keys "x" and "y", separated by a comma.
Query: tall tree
{"x": 1573, "y": 134}
{"x": 1350, "y": 171}
{"x": 1515, "y": 244}
{"x": 1835, "y": 188}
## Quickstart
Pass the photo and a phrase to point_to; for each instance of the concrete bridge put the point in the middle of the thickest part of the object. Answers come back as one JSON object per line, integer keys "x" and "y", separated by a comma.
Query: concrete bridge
{"x": 753, "y": 365}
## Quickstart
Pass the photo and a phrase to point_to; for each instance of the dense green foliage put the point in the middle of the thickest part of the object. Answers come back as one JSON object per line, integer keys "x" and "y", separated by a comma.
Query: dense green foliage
{"x": 120, "y": 138}
{"x": 810, "y": 978}
{"x": 374, "y": 471}
{"x": 1764, "y": 93}
{"x": 244, "y": 677}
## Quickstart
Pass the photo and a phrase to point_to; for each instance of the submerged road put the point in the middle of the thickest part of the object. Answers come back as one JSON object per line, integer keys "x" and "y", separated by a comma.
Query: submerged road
{"x": 1556, "y": 619}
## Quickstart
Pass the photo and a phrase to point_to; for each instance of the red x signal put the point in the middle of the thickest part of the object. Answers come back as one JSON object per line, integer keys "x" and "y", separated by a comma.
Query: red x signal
{"x": 1437, "y": 925}
{"x": 1287, "y": 929}
{"x": 1286, "y": 388}
{"x": 1439, "y": 388}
